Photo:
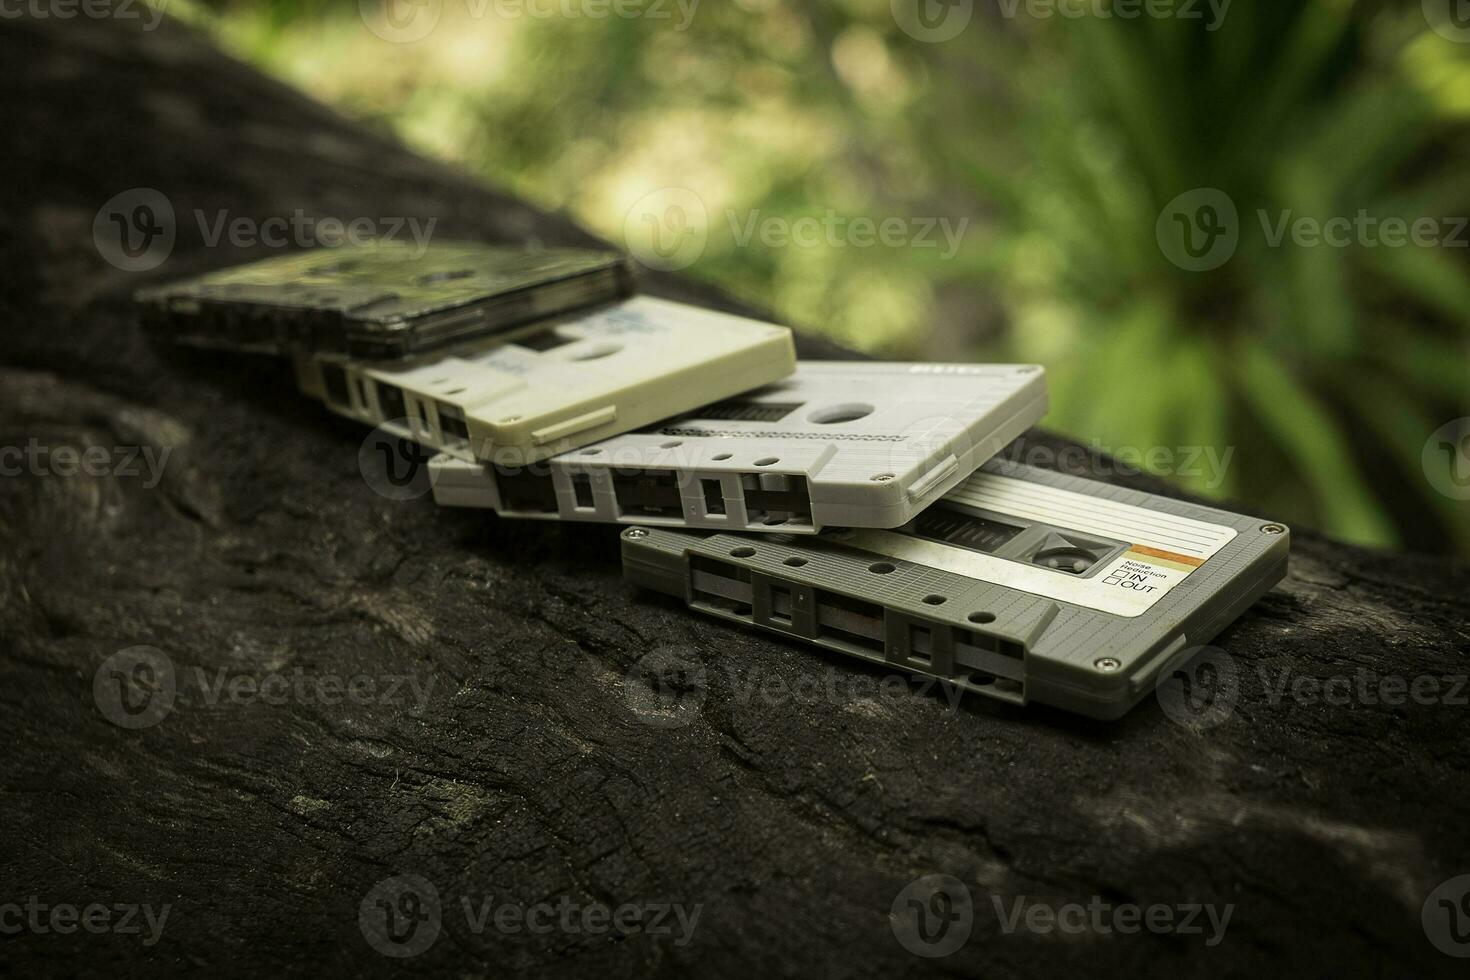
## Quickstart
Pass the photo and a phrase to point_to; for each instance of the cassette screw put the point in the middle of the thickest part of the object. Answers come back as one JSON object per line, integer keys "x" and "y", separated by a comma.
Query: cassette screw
{"x": 1107, "y": 664}
{"x": 636, "y": 533}
{"x": 1273, "y": 529}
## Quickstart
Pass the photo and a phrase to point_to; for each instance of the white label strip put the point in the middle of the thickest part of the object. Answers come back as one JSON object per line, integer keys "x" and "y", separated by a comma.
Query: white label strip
{"x": 1081, "y": 512}
{"x": 1165, "y": 547}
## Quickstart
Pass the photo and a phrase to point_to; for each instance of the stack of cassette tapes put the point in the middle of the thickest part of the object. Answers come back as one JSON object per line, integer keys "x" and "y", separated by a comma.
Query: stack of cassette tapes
{"x": 862, "y": 507}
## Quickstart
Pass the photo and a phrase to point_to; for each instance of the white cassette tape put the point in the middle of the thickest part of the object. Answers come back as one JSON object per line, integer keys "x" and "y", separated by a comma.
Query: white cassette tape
{"x": 839, "y": 443}
{"x": 520, "y": 398}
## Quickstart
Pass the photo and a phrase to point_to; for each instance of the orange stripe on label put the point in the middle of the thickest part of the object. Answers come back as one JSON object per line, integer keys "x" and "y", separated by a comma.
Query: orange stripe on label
{"x": 1159, "y": 553}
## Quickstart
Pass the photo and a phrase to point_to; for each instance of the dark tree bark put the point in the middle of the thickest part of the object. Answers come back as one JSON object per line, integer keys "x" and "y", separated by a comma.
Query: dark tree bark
{"x": 790, "y": 798}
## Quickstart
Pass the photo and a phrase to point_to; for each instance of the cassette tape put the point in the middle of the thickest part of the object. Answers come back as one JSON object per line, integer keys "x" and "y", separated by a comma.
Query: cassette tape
{"x": 382, "y": 300}
{"x": 1023, "y": 585}
{"x": 839, "y": 443}
{"x": 520, "y": 398}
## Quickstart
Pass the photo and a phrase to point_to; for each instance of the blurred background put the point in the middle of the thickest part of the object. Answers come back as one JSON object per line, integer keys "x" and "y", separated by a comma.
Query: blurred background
{"x": 1234, "y": 232}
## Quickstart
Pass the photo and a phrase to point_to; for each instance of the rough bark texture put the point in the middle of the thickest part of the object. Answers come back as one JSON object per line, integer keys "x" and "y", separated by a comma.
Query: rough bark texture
{"x": 791, "y": 798}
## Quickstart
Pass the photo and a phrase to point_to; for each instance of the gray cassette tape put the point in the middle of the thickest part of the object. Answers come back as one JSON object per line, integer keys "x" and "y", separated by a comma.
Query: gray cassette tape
{"x": 839, "y": 443}
{"x": 518, "y": 399}
{"x": 383, "y": 299}
{"x": 1023, "y": 585}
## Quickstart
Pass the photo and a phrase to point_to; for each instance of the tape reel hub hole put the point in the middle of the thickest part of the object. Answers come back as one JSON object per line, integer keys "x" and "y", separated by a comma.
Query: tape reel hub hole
{"x": 1073, "y": 561}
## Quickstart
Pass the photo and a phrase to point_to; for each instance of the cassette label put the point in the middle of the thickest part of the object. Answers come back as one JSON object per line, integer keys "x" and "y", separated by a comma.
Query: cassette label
{"x": 1161, "y": 549}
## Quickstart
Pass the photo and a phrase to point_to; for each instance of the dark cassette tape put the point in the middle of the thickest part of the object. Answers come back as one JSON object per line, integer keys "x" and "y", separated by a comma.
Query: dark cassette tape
{"x": 844, "y": 443}
{"x": 517, "y": 399}
{"x": 1022, "y": 585}
{"x": 382, "y": 300}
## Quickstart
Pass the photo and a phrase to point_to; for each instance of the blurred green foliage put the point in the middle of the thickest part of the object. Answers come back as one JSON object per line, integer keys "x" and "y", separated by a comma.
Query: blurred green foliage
{"x": 1316, "y": 374}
